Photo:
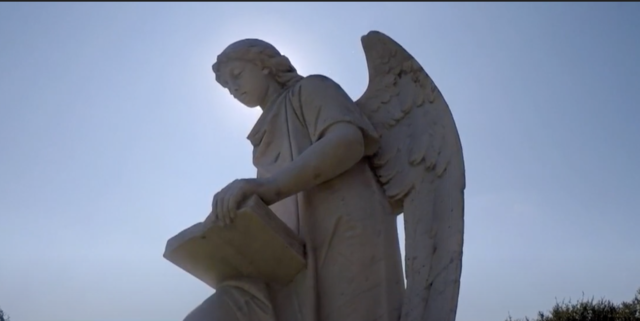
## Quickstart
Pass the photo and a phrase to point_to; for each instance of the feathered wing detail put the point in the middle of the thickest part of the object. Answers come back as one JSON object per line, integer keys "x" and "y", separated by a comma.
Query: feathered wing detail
{"x": 420, "y": 166}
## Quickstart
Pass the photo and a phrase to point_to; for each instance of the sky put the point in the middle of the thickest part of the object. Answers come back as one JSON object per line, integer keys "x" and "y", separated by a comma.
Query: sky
{"x": 114, "y": 136}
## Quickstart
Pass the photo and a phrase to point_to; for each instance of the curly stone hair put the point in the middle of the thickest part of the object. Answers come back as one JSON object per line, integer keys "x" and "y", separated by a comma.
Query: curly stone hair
{"x": 261, "y": 53}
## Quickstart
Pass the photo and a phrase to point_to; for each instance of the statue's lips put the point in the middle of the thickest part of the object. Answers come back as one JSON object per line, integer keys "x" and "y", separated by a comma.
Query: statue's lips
{"x": 240, "y": 96}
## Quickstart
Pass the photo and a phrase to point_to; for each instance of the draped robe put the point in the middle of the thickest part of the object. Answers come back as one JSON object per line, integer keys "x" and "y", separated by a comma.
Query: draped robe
{"x": 354, "y": 269}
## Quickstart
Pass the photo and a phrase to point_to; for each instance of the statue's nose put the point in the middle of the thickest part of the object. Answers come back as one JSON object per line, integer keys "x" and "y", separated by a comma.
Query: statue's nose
{"x": 233, "y": 89}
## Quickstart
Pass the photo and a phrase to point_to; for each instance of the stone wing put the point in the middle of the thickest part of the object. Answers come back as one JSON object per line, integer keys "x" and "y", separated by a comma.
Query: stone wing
{"x": 420, "y": 166}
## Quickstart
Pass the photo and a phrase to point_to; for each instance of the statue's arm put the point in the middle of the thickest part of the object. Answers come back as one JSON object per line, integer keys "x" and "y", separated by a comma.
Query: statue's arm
{"x": 340, "y": 137}
{"x": 339, "y": 148}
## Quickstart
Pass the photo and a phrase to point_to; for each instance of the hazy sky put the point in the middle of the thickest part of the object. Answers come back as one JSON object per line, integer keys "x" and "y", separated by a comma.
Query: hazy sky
{"x": 114, "y": 136}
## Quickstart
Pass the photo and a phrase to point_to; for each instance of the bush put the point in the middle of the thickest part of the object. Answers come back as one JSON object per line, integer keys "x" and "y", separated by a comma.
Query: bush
{"x": 3, "y": 317}
{"x": 591, "y": 310}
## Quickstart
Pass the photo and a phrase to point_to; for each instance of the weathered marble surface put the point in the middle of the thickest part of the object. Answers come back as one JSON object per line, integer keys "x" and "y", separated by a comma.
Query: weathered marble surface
{"x": 336, "y": 172}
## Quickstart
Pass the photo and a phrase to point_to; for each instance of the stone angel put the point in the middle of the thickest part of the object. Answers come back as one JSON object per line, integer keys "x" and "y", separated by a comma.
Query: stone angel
{"x": 338, "y": 172}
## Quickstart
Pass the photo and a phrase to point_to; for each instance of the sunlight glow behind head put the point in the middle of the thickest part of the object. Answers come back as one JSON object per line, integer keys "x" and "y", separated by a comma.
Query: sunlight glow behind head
{"x": 282, "y": 37}
{"x": 257, "y": 52}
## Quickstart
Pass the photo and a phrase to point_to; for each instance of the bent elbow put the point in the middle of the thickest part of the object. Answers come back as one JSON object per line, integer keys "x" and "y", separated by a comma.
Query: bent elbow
{"x": 351, "y": 142}
{"x": 345, "y": 144}
{"x": 355, "y": 146}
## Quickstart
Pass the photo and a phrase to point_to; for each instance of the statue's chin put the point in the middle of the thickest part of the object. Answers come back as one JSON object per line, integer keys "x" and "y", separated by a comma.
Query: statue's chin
{"x": 250, "y": 105}
{"x": 247, "y": 103}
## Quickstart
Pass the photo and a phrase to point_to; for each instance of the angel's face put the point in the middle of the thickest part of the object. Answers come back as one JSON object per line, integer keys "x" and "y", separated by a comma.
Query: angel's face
{"x": 246, "y": 82}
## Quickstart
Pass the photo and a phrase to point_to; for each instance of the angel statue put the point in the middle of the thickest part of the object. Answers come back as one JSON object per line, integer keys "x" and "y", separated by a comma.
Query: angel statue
{"x": 338, "y": 172}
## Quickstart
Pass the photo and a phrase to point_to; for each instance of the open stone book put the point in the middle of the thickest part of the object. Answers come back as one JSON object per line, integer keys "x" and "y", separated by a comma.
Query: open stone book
{"x": 256, "y": 245}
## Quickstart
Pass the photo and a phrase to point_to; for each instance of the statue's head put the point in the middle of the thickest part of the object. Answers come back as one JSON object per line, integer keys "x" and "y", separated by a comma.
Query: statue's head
{"x": 248, "y": 68}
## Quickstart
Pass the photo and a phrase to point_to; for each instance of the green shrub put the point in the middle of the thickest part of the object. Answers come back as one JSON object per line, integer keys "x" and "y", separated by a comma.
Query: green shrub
{"x": 3, "y": 317}
{"x": 591, "y": 310}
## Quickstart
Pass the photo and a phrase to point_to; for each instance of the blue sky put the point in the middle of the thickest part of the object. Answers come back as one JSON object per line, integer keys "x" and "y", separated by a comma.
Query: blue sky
{"x": 114, "y": 136}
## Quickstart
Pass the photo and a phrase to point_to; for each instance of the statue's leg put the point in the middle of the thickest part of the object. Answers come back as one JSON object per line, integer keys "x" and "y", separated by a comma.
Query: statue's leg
{"x": 239, "y": 300}
{"x": 214, "y": 308}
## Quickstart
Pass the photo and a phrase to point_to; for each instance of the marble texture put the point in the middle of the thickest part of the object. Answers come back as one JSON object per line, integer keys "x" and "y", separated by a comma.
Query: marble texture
{"x": 336, "y": 172}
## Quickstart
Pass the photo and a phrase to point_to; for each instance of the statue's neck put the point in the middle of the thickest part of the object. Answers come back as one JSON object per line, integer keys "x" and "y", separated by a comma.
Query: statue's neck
{"x": 272, "y": 95}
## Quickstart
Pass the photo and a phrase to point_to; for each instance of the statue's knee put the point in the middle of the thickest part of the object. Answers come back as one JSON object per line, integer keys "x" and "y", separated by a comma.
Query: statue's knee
{"x": 214, "y": 308}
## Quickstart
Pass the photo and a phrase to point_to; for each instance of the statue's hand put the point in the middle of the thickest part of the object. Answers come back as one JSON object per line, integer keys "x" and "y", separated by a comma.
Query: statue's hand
{"x": 226, "y": 201}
